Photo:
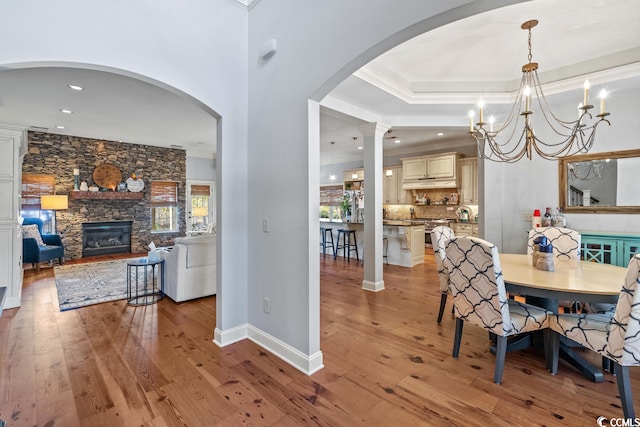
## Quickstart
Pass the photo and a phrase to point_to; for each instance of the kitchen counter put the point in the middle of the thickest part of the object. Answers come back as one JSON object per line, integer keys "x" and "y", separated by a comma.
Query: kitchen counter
{"x": 406, "y": 240}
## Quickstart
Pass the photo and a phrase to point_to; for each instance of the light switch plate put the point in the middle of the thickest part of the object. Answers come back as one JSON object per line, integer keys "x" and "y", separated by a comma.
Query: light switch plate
{"x": 265, "y": 225}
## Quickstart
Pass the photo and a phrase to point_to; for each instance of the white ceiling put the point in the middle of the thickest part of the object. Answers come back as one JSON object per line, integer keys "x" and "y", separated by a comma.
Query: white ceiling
{"x": 420, "y": 88}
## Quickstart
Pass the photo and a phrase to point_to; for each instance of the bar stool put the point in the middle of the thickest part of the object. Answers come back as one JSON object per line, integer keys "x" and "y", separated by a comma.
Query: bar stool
{"x": 327, "y": 239}
{"x": 347, "y": 246}
{"x": 385, "y": 245}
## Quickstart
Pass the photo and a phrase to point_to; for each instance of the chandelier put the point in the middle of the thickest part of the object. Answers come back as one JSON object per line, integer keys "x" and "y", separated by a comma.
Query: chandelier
{"x": 574, "y": 136}
{"x": 584, "y": 171}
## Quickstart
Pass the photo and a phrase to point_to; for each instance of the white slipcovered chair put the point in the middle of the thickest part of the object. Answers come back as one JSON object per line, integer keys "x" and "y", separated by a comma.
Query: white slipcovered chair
{"x": 480, "y": 297}
{"x": 440, "y": 235}
{"x": 190, "y": 268}
{"x": 566, "y": 242}
{"x": 566, "y": 247}
{"x": 616, "y": 338}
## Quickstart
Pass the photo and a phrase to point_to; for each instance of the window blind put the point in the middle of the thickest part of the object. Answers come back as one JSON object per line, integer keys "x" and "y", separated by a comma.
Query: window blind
{"x": 164, "y": 193}
{"x": 331, "y": 195}
{"x": 34, "y": 186}
{"x": 200, "y": 190}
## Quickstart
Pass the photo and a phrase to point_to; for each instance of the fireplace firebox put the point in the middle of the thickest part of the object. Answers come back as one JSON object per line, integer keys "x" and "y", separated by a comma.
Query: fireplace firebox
{"x": 103, "y": 238}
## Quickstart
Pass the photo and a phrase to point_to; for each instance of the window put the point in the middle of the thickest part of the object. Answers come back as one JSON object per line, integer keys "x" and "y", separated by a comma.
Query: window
{"x": 200, "y": 206}
{"x": 164, "y": 206}
{"x": 33, "y": 187}
{"x": 330, "y": 198}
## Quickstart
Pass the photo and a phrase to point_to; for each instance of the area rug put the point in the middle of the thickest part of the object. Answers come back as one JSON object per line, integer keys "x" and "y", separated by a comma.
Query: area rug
{"x": 80, "y": 285}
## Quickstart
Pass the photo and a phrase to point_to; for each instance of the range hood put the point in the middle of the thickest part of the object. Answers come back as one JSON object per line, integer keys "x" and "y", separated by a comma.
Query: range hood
{"x": 422, "y": 184}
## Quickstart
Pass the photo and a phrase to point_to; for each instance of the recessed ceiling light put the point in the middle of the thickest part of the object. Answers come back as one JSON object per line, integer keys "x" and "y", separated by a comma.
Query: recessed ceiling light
{"x": 440, "y": 134}
{"x": 59, "y": 127}
{"x": 75, "y": 87}
{"x": 65, "y": 111}
{"x": 397, "y": 141}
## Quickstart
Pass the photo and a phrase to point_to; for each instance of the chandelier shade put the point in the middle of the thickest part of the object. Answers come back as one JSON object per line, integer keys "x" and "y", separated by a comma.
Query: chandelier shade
{"x": 515, "y": 138}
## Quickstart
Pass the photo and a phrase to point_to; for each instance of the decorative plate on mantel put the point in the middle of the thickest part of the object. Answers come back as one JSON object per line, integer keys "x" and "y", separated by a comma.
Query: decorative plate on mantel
{"x": 135, "y": 185}
{"x": 107, "y": 176}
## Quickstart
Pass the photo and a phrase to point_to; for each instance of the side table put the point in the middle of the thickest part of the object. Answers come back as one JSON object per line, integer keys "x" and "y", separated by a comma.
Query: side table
{"x": 145, "y": 285}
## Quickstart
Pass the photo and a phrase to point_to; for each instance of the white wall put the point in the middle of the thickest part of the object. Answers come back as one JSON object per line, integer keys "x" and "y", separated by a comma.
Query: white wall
{"x": 200, "y": 169}
{"x": 319, "y": 44}
{"x": 197, "y": 49}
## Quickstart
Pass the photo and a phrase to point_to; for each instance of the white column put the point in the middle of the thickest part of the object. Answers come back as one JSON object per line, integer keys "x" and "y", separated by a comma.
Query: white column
{"x": 373, "y": 134}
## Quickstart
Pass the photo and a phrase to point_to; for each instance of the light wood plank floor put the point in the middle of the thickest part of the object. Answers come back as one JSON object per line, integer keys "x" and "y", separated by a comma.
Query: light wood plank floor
{"x": 386, "y": 360}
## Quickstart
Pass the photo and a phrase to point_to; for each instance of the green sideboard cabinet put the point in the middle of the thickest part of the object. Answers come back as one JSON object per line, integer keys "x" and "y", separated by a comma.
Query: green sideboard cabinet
{"x": 609, "y": 247}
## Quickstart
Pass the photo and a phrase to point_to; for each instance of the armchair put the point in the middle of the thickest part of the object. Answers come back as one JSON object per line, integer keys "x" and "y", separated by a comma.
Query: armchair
{"x": 34, "y": 253}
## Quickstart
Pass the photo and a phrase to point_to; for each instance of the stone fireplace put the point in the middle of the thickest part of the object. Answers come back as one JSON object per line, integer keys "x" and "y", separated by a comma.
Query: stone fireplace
{"x": 103, "y": 238}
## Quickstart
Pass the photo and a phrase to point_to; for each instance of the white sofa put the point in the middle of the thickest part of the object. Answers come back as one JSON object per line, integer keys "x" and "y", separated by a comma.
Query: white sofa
{"x": 190, "y": 268}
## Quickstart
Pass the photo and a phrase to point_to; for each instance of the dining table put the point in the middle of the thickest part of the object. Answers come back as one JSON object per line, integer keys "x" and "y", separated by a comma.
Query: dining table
{"x": 572, "y": 280}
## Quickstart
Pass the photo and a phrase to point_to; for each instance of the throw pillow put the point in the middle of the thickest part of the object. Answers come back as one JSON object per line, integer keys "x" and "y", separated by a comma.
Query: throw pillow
{"x": 31, "y": 231}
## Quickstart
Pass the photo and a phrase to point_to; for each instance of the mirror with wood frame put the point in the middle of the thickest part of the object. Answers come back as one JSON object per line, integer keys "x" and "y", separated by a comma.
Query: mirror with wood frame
{"x": 600, "y": 182}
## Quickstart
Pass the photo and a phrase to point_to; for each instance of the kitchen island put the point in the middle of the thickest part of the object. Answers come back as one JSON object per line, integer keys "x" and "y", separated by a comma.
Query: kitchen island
{"x": 406, "y": 240}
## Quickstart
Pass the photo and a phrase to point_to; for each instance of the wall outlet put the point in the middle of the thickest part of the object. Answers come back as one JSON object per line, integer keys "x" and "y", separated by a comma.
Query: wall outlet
{"x": 526, "y": 216}
{"x": 265, "y": 225}
{"x": 266, "y": 305}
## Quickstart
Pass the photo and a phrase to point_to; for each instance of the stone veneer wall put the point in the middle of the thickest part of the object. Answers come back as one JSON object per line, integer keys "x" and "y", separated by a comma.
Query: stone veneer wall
{"x": 60, "y": 154}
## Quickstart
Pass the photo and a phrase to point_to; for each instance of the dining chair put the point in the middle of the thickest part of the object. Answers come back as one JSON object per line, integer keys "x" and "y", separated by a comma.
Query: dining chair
{"x": 566, "y": 246}
{"x": 440, "y": 235}
{"x": 480, "y": 297}
{"x": 617, "y": 338}
{"x": 566, "y": 242}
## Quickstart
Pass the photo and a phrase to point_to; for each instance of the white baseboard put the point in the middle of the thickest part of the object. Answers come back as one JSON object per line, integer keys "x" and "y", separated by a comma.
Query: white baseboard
{"x": 373, "y": 286}
{"x": 230, "y": 336}
{"x": 305, "y": 364}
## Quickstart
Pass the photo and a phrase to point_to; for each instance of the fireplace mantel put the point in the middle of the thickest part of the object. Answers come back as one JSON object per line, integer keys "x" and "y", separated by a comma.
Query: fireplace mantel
{"x": 106, "y": 195}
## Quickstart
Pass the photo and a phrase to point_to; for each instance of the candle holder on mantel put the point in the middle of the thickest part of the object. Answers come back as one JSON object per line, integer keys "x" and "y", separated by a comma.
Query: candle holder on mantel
{"x": 76, "y": 180}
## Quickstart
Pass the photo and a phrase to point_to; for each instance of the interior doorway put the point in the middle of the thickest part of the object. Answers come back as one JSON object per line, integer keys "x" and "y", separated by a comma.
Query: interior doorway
{"x": 200, "y": 201}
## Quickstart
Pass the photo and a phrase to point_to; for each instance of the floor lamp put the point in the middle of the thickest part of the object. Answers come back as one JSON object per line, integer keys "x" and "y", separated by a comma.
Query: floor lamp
{"x": 54, "y": 203}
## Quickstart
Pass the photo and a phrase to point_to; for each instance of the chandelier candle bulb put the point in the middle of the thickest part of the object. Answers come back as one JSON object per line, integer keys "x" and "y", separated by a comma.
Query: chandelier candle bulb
{"x": 587, "y": 85}
{"x": 603, "y": 95}
{"x": 527, "y": 96}
{"x": 470, "y": 121}
{"x": 480, "y": 105}
{"x": 491, "y": 120}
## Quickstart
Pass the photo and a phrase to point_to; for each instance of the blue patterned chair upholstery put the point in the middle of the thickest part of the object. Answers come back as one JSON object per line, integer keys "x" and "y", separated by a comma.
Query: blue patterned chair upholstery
{"x": 480, "y": 297}
{"x": 440, "y": 235}
{"x": 617, "y": 338}
{"x": 34, "y": 253}
{"x": 566, "y": 242}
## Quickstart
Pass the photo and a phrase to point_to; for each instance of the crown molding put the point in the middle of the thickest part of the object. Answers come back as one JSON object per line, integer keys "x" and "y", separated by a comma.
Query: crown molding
{"x": 245, "y": 4}
{"x": 404, "y": 93}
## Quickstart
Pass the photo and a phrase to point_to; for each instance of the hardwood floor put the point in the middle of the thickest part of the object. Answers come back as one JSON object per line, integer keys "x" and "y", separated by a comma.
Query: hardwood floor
{"x": 387, "y": 362}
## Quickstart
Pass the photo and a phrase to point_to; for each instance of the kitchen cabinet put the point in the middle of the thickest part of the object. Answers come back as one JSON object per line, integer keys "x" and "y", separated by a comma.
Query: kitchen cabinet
{"x": 13, "y": 146}
{"x": 469, "y": 181}
{"x": 609, "y": 248}
{"x": 464, "y": 229}
{"x": 353, "y": 175}
{"x": 415, "y": 168}
{"x": 443, "y": 166}
{"x": 392, "y": 190}
{"x": 436, "y": 171}
{"x": 417, "y": 245}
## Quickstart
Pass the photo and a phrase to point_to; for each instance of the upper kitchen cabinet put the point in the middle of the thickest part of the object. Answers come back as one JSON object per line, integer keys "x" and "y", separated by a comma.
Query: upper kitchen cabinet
{"x": 415, "y": 168}
{"x": 436, "y": 171}
{"x": 393, "y": 193}
{"x": 350, "y": 176}
{"x": 441, "y": 166}
{"x": 469, "y": 181}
